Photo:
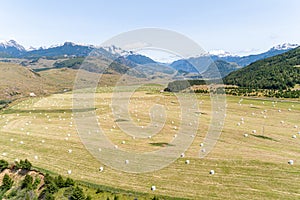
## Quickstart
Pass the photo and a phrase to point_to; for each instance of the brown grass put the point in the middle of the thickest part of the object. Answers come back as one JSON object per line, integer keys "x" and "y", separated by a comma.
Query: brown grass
{"x": 246, "y": 167}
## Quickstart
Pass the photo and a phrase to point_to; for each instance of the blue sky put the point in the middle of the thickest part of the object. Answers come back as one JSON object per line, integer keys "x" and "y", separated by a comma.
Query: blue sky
{"x": 238, "y": 26}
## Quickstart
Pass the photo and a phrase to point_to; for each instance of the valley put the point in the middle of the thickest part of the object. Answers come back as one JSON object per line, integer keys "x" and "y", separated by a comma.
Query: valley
{"x": 43, "y": 130}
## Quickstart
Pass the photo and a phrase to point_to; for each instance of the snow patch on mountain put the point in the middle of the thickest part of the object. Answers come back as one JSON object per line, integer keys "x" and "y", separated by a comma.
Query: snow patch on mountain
{"x": 220, "y": 53}
{"x": 117, "y": 50}
{"x": 11, "y": 44}
{"x": 285, "y": 46}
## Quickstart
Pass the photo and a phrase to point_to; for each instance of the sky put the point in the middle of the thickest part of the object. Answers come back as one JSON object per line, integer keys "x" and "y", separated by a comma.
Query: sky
{"x": 237, "y": 26}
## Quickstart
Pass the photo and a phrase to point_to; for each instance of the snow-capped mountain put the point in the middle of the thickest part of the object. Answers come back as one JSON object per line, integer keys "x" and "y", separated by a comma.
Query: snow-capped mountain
{"x": 31, "y": 48}
{"x": 246, "y": 60}
{"x": 220, "y": 53}
{"x": 285, "y": 46}
{"x": 11, "y": 49}
{"x": 117, "y": 50}
{"x": 11, "y": 44}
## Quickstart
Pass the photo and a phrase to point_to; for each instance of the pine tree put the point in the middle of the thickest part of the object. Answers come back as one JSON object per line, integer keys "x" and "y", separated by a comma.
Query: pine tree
{"x": 27, "y": 182}
{"x": 77, "y": 194}
{"x": 7, "y": 182}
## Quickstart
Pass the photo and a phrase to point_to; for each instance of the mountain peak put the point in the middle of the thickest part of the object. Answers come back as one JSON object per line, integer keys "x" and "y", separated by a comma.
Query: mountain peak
{"x": 116, "y": 50}
{"x": 220, "y": 53}
{"x": 285, "y": 46}
{"x": 69, "y": 44}
{"x": 11, "y": 44}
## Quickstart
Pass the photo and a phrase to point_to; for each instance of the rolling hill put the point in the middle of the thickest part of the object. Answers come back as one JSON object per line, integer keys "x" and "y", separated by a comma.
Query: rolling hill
{"x": 278, "y": 72}
{"x": 17, "y": 81}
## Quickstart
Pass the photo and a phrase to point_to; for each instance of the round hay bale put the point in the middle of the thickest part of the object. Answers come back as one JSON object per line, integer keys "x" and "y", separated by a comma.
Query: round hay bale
{"x": 212, "y": 172}
{"x": 153, "y": 188}
{"x": 187, "y": 162}
{"x": 291, "y": 162}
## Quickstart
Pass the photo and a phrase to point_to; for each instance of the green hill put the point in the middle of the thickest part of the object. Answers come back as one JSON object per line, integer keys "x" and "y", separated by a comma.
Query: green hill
{"x": 279, "y": 72}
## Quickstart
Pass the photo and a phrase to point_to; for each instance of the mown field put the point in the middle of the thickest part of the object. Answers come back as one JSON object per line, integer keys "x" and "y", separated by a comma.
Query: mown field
{"x": 254, "y": 167}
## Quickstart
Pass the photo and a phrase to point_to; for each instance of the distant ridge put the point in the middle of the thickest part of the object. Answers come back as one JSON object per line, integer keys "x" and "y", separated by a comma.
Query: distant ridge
{"x": 277, "y": 72}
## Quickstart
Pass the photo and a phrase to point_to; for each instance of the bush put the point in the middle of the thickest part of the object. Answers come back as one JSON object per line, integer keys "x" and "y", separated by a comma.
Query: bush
{"x": 69, "y": 182}
{"x": 13, "y": 193}
{"x": 36, "y": 182}
{"x": 60, "y": 182}
{"x": 51, "y": 188}
{"x": 77, "y": 194}
{"x": 7, "y": 182}
{"x": 27, "y": 182}
{"x": 49, "y": 196}
{"x": 99, "y": 191}
{"x": 46, "y": 195}
{"x": 88, "y": 197}
{"x": 23, "y": 165}
{"x": 116, "y": 198}
{"x": 48, "y": 179}
{"x": 3, "y": 165}
{"x": 155, "y": 198}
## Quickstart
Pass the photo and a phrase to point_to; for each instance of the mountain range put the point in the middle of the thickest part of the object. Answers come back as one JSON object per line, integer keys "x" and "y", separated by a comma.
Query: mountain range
{"x": 246, "y": 60}
{"x": 11, "y": 49}
{"x": 279, "y": 72}
{"x": 48, "y": 70}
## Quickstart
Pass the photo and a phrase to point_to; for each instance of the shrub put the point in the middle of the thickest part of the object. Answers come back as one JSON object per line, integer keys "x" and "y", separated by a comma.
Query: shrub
{"x": 46, "y": 195}
{"x": 48, "y": 179}
{"x": 7, "y": 182}
{"x": 69, "y": 182}
{"x": 36, "y": 182}
{"x": 13, "y": 193}
{"x": 77, "y": 194}
{"x": 88, "y": 197}
{"x": 3, "y": 165}
{"x": 51, "y": 188}
{"x": 23, "y": 165}
{"x": 27, "y": 182}
{"x": 60, "y": 182}
{"x": 99, "y": 191}
{"x": 116, "y": 198}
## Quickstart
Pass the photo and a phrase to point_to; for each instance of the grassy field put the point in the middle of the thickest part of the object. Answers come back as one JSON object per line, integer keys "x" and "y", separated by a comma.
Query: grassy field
{"x": 254, "y": 167}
